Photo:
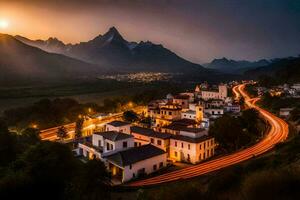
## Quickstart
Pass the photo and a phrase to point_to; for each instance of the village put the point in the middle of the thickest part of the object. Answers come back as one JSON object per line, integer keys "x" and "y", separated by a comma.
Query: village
{"x": 178, "y": 134}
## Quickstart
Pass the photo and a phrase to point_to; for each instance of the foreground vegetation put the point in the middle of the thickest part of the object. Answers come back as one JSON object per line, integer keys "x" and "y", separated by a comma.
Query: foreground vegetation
{"x": 233, "y": 133}
{"x": 34, "y": 169}
{"x": 47, "y": 113}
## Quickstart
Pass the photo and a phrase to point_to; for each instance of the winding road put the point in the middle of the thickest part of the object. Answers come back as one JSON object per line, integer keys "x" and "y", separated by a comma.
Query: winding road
{"x": 277, "y": 133}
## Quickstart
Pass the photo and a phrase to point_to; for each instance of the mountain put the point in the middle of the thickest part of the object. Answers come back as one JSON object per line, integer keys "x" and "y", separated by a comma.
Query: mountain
{"x": 236, "y": 67}
{"x": 52, "y": 45}
{"x": 23, "y": 63}
{"x": 286, "y": 70}
{"x": 113, "y": 51}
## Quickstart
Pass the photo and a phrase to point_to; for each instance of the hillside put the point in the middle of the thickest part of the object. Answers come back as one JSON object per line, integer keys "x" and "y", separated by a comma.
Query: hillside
{"x": 280, "y": 71}
{"x": 113, "y": 51}
{"x": 236, "y": 67}
{"x": 23, "y": 63}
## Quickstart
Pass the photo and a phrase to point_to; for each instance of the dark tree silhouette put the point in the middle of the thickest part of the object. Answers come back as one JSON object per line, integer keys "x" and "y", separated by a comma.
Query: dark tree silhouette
{"x": 62, "y": 133}
{"x": 130, "y": 116}
{"x": 78, "y": 129}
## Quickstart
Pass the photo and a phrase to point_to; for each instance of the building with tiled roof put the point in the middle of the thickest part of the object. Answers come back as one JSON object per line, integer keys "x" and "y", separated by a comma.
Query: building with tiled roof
{"x": 119, "y": 126}
{"x": 136, "y": 162}
{"x": 144, "y": 136}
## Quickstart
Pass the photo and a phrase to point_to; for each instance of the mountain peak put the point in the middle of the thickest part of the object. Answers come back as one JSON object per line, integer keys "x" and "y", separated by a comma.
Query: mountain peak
{"x": 54, "y": 40}
{"x": 113, "y": 30}
{"x": 112, "y": 34}
{"x": 220, "y": 60}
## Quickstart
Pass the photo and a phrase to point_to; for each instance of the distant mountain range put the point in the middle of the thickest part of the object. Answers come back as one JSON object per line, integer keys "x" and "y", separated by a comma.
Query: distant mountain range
{"x": 285, "y": 70}
{"x": 20, "y": 62}
{"x": 115, "y": 53}
{"x": 235, "y": 67}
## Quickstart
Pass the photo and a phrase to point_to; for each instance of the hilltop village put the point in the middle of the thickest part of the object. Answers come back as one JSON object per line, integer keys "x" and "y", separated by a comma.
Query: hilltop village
{"x": 178, "y": 134}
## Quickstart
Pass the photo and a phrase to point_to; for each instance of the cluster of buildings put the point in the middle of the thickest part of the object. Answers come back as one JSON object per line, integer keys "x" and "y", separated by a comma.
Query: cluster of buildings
{"x": 144, "y": 77}
{"x": 178, "y": 133}
{"x": 286, "y": 90}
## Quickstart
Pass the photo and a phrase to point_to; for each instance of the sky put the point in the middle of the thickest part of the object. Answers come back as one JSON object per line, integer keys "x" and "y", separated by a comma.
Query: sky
{"x": 196, "y": 30}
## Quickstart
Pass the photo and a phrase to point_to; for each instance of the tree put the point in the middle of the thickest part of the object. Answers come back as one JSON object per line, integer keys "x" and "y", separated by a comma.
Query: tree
{"x": 62, "y": 133}
{"x": 92, "y": 182}
{"x": 30, "y": 136}
{"x": 78, "y": 129}
{"x": 249, "y": 121}
{"x": 130, "y": 116}
{"x": 241, "y": 101}
{"x": 7, "y": 145}
{"x": 295, "y": 114}
{"x": 228, "y": 132}
{"x": 41, "y": 167}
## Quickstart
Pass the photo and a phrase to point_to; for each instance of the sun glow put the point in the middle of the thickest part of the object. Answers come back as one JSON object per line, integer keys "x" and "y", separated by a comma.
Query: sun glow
{"x": 4, "y": 24}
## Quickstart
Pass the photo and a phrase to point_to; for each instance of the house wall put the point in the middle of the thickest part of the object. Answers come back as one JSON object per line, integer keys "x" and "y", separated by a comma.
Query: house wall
{"x": 185, "y": 115}
{"x": 195, "y": 152}
{"x": 122, "y": 129}
{"x": 184, "y": 103}
{"x": 210, "y": 95}
{"x": 170, "y": 131}
{"x": 143, "y": 140}
{"x": 221, "y": 94}
{"x": 116, "y": 145}
{"x": 193, "y": 135}
{"x": 132, "y": 172}
{"x": 170, "y": 114}
{"x": 140, "y": 139}
{"x": 88, "y": 152}
{"x": 214, "y": 111}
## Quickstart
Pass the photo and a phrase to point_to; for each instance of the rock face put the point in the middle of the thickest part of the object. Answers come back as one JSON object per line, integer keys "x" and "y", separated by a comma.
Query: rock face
{"x": 116, "y": 53}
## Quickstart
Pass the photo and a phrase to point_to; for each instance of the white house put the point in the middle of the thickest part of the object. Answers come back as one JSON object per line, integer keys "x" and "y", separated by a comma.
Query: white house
{"x": 182, "y": 100}
{"x": 296, "y": 86}
{"x": 119, "y": 126}
{"x": 221, "y": 93}
{"x": 190, "y": 114}
{"x": 105, "y": 143}
{"x": 136, "y": 162}
{"x": 285, "y": 112}
{"x": 235, "y": 108}
{"x": 191, "y": 149}
{"x": 214, "y": 112}
{"x": 143, "y": 136}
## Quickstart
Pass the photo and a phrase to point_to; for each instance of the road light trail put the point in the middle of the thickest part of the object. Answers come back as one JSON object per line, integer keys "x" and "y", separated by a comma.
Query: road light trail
{"x": 276, "y": 134}
{"x": 51, "y": 133}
